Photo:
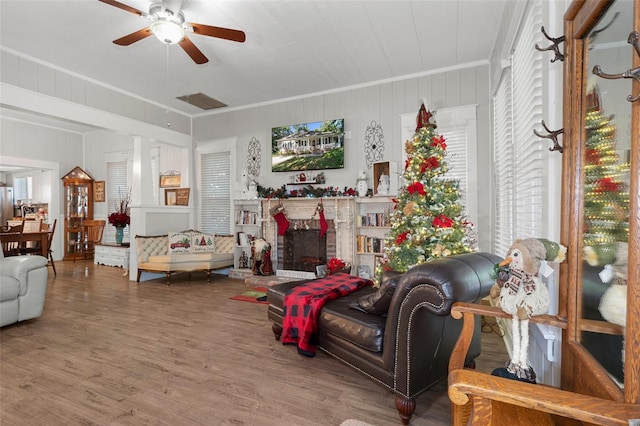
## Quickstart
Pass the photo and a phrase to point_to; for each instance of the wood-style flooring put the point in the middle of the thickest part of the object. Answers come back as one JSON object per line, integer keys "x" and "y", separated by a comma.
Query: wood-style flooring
{"x": 108, "y": 351}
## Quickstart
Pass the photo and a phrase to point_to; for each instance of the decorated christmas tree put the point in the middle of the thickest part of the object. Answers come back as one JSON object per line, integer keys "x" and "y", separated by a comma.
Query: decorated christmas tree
{"x": 606, "y": 195}
{"x": 428, "y": 221}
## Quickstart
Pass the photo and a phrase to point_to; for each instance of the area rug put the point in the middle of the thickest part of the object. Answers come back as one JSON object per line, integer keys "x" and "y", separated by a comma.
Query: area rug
{"x": 255, "y": 295}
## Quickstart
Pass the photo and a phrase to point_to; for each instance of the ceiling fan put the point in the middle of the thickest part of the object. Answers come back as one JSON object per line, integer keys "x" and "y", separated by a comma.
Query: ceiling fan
{"x": 169, "y": 26}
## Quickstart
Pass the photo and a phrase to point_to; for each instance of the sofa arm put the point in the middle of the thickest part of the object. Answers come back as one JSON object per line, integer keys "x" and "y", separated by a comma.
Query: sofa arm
{"x": 460, "y": 278}
{"x": 19, "y": 267}
{"x": 419, "y": 333}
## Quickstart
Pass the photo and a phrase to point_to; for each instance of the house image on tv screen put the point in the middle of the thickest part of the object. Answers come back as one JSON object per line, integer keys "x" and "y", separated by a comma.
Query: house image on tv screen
{"x": 308, "y": 146}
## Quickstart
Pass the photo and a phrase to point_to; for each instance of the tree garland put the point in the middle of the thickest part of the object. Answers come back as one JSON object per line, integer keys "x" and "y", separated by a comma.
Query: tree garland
{"x": 306, "y": 192}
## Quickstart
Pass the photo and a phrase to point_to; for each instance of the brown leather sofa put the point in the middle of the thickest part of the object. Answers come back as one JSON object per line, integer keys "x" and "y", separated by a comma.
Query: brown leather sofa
{"x": 404, "y": 347}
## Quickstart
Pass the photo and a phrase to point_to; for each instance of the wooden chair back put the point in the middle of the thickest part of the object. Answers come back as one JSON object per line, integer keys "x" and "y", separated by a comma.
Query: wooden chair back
{"x": 92, "y": 231}
{"x": 10, "y": 237}
{"x": 52, "y": 230}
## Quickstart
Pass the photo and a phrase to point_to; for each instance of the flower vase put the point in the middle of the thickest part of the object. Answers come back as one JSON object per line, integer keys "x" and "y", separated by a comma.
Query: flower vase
{"x": 119, "y": 234}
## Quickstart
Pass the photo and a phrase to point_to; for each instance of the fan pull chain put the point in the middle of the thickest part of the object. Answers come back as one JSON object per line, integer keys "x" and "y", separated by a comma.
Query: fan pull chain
{"x": 167, "y": 85}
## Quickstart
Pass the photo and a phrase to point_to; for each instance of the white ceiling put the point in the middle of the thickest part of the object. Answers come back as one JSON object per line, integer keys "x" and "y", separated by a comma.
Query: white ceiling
{"x": 293, "y": 47}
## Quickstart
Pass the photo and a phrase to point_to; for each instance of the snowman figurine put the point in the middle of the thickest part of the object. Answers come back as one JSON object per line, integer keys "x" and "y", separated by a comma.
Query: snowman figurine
{"x": 361, "y": 184}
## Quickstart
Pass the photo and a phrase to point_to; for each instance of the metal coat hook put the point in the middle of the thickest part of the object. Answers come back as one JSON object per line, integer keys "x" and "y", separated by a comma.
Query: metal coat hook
{"x": 553, "y": 135}
{"x": 633, "y": 40}
{"x": 556, "y": 49}
{"x": 630, "y": 73}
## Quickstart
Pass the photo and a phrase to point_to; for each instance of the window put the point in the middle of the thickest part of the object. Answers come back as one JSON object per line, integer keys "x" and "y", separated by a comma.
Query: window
{"x": 22, "y": 189}
{"x": 117, "y": 188}
{"x": 519, "y": 160}
{"x": 215, "y": 168}
{"x": 458, "y": 127}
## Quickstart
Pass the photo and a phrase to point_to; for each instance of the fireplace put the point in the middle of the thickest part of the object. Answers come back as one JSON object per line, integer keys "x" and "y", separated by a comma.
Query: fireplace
{"x": 303, "y": 234}
{"x": 303, "y": 249}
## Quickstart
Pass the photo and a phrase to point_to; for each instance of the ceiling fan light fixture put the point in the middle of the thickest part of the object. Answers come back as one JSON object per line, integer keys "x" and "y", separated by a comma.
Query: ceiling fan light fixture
{"x": 167, "y": 32}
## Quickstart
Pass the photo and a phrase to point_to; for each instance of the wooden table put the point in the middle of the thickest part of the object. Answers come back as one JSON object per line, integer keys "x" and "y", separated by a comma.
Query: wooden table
{"x": 41, "y": 236}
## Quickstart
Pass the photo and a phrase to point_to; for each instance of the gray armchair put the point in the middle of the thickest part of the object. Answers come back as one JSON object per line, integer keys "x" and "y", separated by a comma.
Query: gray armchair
{"x": 23, "y": 285}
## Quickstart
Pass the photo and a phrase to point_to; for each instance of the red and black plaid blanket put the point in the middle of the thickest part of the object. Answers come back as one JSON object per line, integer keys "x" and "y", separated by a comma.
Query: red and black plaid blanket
{"x": 302, "y": 306}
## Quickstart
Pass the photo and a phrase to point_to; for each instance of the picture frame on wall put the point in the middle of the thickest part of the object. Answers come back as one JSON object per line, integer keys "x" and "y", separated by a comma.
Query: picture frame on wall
{"x": 99, "y": 191}
{"x": 170, "y": 180}
{"x": 177, "y": 197}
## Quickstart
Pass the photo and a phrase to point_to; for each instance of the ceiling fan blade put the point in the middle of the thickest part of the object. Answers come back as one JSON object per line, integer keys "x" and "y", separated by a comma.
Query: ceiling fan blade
{"x": 133, "y": 37}
{"x": 122, "y": 6}
{"x": 225, "y": 33}
{"x": 191, "y": 49}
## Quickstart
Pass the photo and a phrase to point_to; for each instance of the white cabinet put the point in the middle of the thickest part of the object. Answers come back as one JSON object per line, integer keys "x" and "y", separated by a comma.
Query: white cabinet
{"x": 112, "y": 255}
{"x": 247, "y": 226}
{"x": 372, "y": 226}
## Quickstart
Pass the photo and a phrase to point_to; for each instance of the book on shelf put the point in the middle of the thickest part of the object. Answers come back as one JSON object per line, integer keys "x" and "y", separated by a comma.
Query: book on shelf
{"x": 246, "y": 217}
{"x": 368, "y": 244}
{"x": 373, "y": 219}
{"x": 244, "y": 239}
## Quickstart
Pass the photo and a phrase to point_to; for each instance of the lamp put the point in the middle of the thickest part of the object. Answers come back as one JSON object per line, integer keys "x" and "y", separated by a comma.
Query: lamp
{"x": 167, "y": 32}
{"x": 166, "y": 25}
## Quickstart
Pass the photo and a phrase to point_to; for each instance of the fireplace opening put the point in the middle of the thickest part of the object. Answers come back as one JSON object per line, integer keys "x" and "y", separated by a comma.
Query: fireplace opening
{"x": 304, "y": 249}
{"x": 301, "y": 248}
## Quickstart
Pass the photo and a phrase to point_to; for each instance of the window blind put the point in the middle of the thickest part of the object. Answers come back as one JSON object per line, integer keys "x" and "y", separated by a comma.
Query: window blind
{"x": 503, "y": 164}
{"x": 527, "y": 115}
{"x": 518, "y": 153}
{"x": 20, "y": 189}
{"x": 215, "y": 192}
{"x": 456, "y": 157}
{"x": 117, "y": 188}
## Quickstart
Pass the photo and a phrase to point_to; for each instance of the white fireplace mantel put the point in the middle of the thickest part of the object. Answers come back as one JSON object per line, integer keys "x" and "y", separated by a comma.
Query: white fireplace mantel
{"x": 339, "y": 210}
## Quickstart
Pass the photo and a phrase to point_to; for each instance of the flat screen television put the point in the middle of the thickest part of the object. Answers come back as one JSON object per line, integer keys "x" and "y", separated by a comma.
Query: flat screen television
{"x": 317, "y": 145}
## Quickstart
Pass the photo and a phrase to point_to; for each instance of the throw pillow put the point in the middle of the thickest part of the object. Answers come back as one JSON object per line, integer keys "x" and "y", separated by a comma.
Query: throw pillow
{"x": 377, "y": 303}
{"x": 179, "y": 242}
{"x": 202, "y": 242}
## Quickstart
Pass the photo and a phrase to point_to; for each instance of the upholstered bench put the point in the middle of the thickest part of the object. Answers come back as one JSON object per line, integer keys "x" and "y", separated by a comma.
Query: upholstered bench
{"x": 400, "y": 335}
{"x": 185, "y": 251}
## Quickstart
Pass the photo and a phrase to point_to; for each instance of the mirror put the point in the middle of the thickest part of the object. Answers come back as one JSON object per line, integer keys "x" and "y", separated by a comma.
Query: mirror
{"x": 605, "y": 178}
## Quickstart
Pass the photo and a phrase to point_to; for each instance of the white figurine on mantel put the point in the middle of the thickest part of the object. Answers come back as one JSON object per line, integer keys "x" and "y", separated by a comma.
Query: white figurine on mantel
{"x": 383, "y": 185}
{"x": 252, "y": 192}
{"x": 361, "y": 184}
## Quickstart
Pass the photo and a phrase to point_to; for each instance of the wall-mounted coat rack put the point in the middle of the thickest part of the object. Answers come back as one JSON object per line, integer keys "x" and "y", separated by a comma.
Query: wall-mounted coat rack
{"x": 554, "y": 46}
{"x": 630, "y": 73}
{"x": 553, "y": 135}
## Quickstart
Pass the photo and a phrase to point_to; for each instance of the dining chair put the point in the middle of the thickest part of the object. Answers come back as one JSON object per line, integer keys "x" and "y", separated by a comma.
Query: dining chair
{"x": 52, "y": 229}
{"x": 92, "y": 231}
{"x": 10, "y": 235}
{"x": 33, "y": 247}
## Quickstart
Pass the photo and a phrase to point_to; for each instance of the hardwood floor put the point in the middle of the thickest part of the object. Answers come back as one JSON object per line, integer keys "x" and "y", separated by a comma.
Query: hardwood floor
{"x": 108, "y": 351}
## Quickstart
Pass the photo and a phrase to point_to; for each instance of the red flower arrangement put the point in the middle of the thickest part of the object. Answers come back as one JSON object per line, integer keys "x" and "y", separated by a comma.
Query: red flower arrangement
{"x": 402, "y": 238}
{"x": 416, "y": 187}
{"x": 120, "y": 218}
{"x": 439, "y": 141}
{"x": 336, "y": 265}
{"x": 606, "y": 184}
{"x": 442, "y": 221}
{"x": 429, "y": 163}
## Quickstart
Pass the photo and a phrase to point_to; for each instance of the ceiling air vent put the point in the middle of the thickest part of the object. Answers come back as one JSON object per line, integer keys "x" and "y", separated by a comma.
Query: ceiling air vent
{"x": 202, "y": 101}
